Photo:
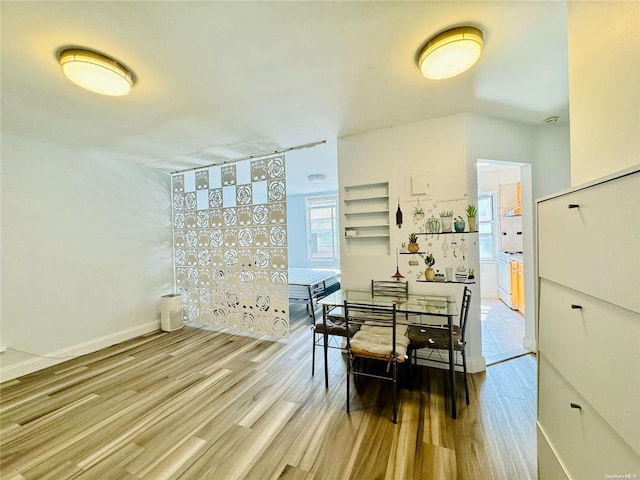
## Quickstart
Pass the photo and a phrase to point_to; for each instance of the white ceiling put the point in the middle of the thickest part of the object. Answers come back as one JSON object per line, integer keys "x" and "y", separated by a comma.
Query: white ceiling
{"x": 222, "y": 80}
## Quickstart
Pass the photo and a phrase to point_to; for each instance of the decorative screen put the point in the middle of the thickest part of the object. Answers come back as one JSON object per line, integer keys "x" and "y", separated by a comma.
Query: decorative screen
{"x": 230, "y": 245}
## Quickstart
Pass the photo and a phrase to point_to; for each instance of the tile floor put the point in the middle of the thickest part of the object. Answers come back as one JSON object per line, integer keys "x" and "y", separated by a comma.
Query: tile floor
{"x": 502, "y": 331}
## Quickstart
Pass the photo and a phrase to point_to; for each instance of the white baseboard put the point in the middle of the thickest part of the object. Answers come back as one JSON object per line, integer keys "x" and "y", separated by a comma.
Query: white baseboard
{"x": 38, "y": 363}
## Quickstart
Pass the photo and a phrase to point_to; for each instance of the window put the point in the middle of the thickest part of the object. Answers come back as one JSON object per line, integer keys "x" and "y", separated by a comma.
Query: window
{"x": 485, "y": 220}
{"x": 322, "y": 229}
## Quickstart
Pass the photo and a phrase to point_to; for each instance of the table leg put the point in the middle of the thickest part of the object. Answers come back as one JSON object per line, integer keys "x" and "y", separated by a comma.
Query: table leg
{"x": 326, "y": 347}
{"x": 452, "y": 378}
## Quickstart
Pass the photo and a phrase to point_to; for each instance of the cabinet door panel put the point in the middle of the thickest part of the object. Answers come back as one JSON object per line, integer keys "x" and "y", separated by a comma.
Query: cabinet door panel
{"x": 549, "y": 467}
{"x": 596, "y": 348}
{"x": 508, "y": 195}
{"x": 585, "y": 444}
{"x": 595, "y": 243}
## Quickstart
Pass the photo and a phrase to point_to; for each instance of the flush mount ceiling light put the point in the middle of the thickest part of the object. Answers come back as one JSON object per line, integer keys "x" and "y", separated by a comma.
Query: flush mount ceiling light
{"x": 317, "y": 178}
{"x": 450, "y": 53}
{"x": 95, "y": 72}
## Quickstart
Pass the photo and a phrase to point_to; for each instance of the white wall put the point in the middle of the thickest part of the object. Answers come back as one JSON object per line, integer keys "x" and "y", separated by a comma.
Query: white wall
{"x": 490, "y": 181}
{"x": 546, "y": 149}
{"x": 604, "y": 97}
{"x": 86, "y": 253}
{"x": 432, "y": 146}
{"x": 296, "y": 231}
{"x": 551, "y": 164}
{"x": 438, "y": 148}
{"x": 447, "y": 149}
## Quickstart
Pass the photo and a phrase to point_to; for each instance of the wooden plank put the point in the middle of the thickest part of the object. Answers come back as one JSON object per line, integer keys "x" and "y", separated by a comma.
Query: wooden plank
{"x": 198, "y": 403}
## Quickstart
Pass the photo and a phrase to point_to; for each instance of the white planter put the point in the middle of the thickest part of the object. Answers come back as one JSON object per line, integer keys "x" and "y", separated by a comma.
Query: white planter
{"x": 446, "y": 223}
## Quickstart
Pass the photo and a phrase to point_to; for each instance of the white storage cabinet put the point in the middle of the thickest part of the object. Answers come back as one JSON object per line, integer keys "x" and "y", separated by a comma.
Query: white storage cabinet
{"x": 589, "y": 330}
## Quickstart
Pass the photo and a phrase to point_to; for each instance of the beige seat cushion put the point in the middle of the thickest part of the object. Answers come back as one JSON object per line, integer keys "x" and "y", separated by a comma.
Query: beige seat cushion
{"x": 376, "y": 342}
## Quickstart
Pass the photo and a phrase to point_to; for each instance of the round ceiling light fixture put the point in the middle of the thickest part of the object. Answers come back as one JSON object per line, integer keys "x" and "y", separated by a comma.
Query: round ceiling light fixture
{"x": 451, "y": 52}
{"x": 317, "y": 178}
{"x": 95, "y": 72}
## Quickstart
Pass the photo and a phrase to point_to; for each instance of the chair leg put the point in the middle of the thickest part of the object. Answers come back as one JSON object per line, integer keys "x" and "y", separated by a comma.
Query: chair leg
{"x": 313, "y": 350}
{"x": 326, "y": 361}
{"x": 408, "y": 370}
{"x": 418, "y": 371}
{"x": 348, "y": 380}
{"x": 464, "y": 369}
{"x": 395, "y": 392}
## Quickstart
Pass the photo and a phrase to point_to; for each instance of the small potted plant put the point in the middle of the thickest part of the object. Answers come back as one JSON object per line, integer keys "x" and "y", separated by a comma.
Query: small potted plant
{"x": 433, "y": 225}
{"x": 471, "y": 212}
{"x": 429, "y": 273}
{"x": 439, "y": 277}
{"x": 413, "y": 246}
{"x": 418, "y": 214}
{"x": 446, "y": 220}
{"x": 458, "y": 224}
{"x": 471, "y": 275}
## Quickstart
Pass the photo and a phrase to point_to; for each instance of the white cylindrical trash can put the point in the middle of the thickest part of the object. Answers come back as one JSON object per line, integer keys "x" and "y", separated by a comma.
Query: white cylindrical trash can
{"x": 171, "y": 316}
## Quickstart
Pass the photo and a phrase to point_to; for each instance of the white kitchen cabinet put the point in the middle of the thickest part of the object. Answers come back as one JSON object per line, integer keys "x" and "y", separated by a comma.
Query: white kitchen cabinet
{"x": 511, "y": 234}
{"x": 509, "y": 196}
{"x": 589, "y": 330}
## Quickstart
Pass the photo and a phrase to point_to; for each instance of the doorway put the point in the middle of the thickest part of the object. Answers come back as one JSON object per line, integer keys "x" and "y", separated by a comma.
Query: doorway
{"x": 501, "y": 234}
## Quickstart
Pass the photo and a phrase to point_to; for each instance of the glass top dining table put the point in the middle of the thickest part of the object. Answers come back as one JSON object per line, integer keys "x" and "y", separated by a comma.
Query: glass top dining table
{"x": 438, "y": 305}
{"x": 422, "y": 304}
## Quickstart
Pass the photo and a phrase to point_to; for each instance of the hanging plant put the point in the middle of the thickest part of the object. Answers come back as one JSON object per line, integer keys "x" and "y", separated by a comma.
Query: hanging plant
{"x": 418, "y": 212}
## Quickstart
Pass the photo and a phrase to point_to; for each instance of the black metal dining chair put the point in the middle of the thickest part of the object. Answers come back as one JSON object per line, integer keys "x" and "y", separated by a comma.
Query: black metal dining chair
{"x": 307, "y": 294}
{"x": 378, "y": 337}
{"x": 436, "y": 338}
{"x": 328, "y": 333}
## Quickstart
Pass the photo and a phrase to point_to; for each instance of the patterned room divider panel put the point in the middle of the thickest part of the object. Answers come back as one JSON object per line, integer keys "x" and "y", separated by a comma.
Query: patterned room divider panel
{"x": 230, "y": 245}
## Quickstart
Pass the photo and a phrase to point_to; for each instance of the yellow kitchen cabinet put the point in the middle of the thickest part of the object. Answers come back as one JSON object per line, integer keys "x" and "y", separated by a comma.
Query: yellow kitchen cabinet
{"x": 515, "y": 291}
{"x": 520, "y": 272}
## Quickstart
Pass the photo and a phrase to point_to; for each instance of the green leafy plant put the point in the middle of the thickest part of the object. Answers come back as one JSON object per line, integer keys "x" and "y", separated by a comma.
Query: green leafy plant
{"x": 446, "y": 213}
{"x": 429, "y": 261}
{"x": 471, "y": 210}
{"x": 413, "y": 238}
{"x": 458, "y": 219}
{"x": 418, "y": 211}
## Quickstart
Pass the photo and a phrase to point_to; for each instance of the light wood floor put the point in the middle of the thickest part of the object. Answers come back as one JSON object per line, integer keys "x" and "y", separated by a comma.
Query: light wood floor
{"x": 197, "y": 404}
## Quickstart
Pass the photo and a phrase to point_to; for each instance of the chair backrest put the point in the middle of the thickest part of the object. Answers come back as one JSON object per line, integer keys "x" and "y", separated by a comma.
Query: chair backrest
{"x": 318, "y": 290}
{"x": 306, "y": 293}
{"x": 464, "y": 310}
{"x": 358, "y": 315}
{"x": 390, "y": 288}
